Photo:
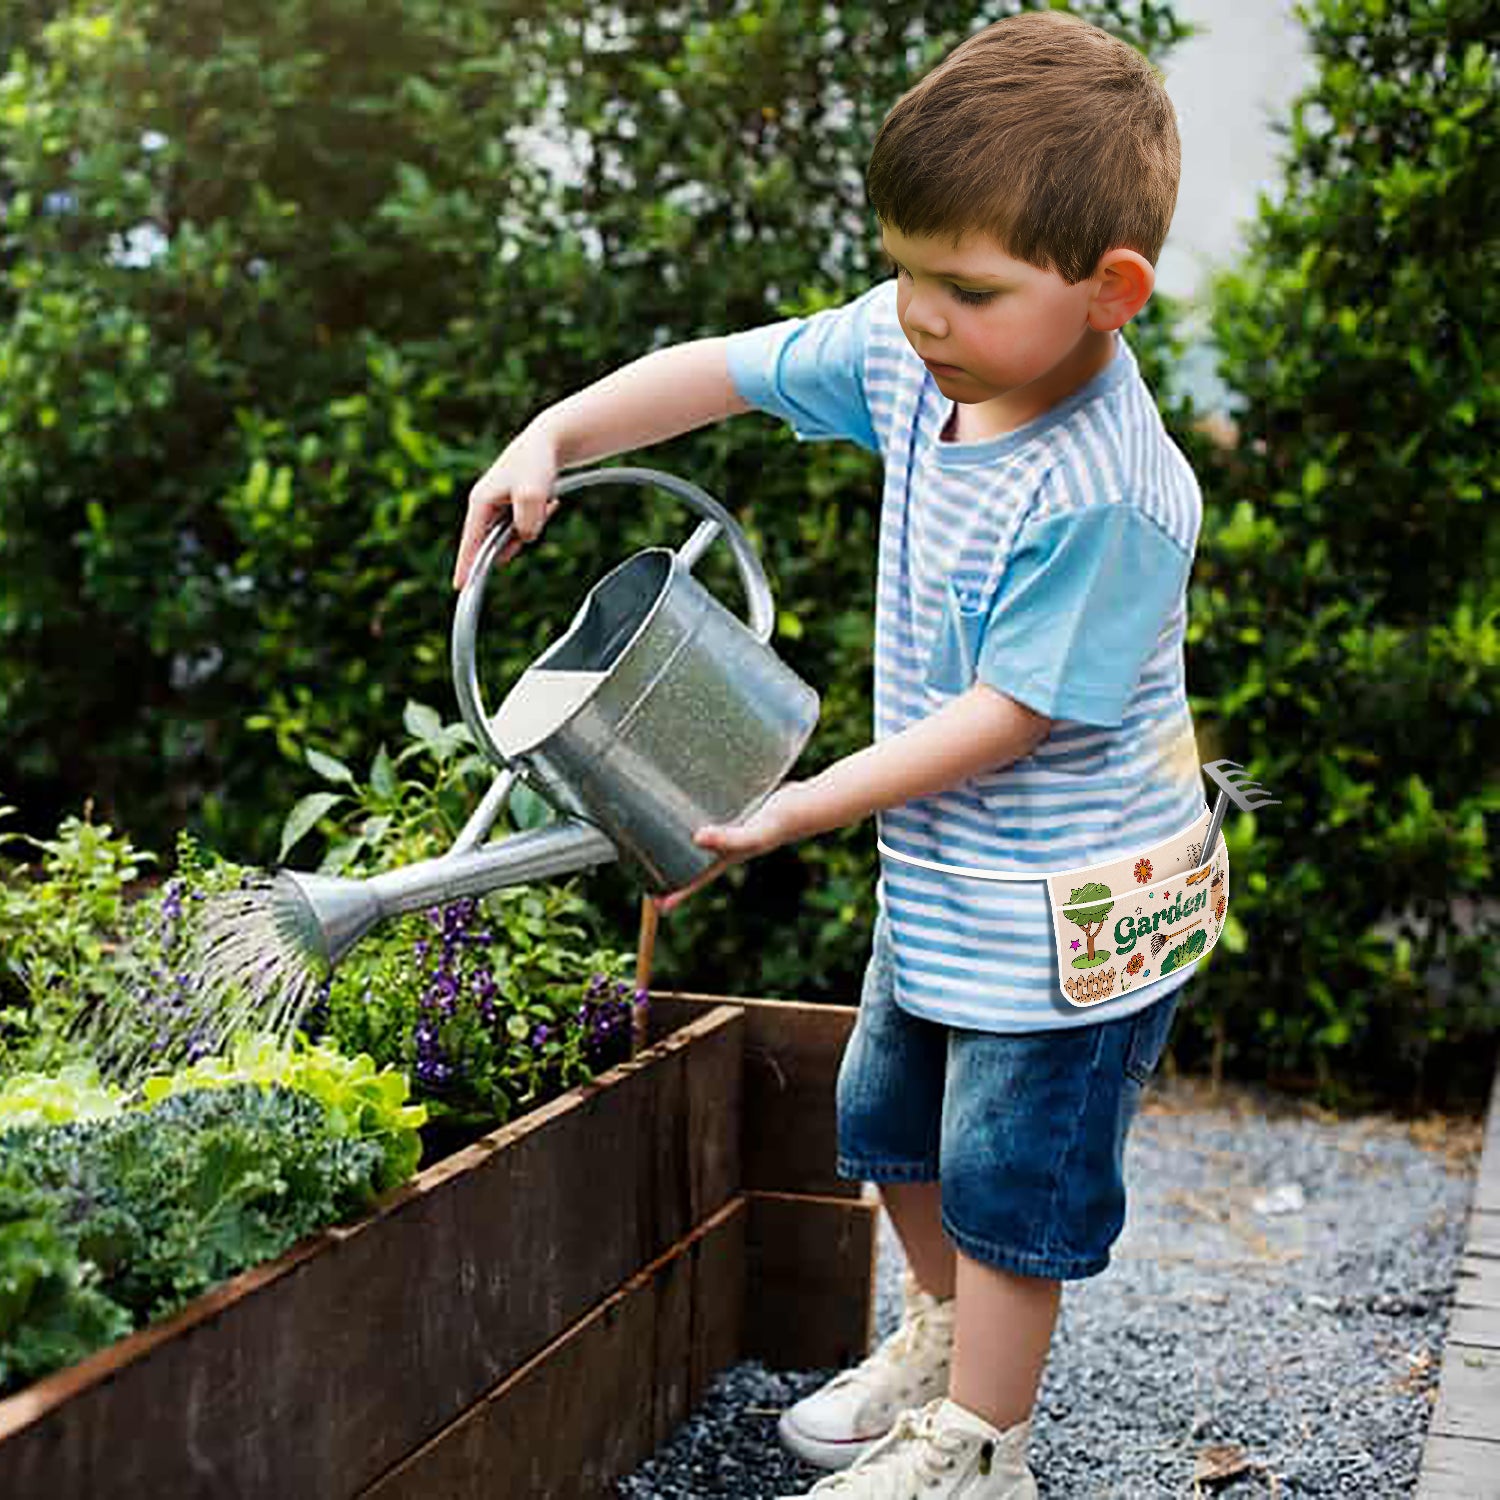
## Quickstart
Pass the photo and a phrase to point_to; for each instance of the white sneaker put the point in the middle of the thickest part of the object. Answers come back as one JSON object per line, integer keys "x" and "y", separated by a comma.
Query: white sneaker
{"x": 845, "y": 1418}
{"x": 942, "y": 1452}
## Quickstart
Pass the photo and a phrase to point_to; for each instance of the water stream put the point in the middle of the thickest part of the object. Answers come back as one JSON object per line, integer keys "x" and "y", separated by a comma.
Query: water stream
{"x": 240, "y": 971}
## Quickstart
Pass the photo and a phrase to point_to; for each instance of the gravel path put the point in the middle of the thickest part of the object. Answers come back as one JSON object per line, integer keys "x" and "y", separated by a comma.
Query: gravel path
{"x": 1272, "y": 1320}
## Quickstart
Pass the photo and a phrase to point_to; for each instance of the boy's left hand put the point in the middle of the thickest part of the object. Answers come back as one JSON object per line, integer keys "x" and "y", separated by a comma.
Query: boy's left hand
{"x": 775, "y": 822}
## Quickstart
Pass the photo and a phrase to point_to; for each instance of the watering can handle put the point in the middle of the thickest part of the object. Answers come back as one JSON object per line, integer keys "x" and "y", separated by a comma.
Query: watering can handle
{"x": 716, "y": 519}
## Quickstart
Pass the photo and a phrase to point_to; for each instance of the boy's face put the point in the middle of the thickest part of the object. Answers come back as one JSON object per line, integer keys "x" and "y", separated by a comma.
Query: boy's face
{"x": 984, "y": 323}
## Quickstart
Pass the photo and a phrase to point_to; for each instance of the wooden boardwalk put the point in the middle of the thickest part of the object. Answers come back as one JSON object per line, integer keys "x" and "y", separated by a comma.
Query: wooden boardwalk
{"x": 1461, "y": 1460}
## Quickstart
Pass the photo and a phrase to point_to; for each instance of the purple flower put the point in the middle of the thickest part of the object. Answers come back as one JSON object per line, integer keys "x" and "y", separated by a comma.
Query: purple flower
{"x": 444, "y": 990}
{"x": 539, "y": 1034}
{"x": 433, "y": 1071}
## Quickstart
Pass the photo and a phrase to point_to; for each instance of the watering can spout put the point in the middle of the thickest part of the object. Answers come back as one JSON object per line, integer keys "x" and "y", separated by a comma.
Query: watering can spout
{"x": 324, "y": 916}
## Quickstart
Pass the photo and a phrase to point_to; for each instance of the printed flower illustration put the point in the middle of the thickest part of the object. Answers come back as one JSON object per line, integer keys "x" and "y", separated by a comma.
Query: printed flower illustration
{"x": 1219, "y": 910}
{"x": 1134, "y": 966}
{"x": 1143, "y": 872}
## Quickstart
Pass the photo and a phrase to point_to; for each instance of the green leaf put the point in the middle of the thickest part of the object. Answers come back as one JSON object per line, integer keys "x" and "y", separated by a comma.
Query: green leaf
{"x": 422, "y": 723}
{"x": 303, "y": 818}
{"x": 528, "y": 809}
{"x": 329, "y": 768}
{"x": 383, "y": 774}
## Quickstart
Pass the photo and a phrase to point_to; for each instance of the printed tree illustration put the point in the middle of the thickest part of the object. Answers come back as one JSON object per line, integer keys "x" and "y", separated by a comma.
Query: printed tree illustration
{"x": 1089, "y": 917}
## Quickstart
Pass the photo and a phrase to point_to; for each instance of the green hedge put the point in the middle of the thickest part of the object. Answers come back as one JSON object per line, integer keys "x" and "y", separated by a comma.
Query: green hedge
{"x": 1345, "y": 605}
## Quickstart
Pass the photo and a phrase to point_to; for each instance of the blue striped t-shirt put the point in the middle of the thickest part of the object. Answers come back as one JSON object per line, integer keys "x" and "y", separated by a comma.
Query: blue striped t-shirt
{"x": 1051, "y": 563}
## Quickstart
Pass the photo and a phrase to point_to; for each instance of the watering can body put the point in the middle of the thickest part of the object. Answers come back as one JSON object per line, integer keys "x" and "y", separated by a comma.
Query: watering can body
{"x": 687, "y": 716}
{"x": 670, "y": 713}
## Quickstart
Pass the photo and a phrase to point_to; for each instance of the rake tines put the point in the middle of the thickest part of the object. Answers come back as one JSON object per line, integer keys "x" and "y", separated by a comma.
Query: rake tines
{"x": 1243, "y": 790}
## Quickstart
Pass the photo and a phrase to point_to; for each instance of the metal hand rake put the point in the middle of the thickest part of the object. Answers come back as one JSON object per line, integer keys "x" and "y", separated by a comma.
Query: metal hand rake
{"x": 1246, "y": 793}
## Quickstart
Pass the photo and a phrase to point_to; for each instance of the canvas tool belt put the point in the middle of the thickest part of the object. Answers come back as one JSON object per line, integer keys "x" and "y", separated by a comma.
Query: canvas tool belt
{"x": 1139, "y": 919}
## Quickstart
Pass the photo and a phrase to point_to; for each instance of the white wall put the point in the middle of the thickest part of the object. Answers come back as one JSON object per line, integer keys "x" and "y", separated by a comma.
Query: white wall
{"x": 1229, "y": 84}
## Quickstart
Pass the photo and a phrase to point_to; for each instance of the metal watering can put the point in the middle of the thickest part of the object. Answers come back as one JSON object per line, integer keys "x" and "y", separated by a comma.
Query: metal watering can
{"x": 657, "y": 712}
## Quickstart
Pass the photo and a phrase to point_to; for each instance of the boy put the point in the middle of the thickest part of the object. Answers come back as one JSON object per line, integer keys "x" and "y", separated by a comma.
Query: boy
{"x": 1037, "y": 531}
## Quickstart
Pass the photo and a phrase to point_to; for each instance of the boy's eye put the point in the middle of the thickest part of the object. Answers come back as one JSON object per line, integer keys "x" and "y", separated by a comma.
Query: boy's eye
{"x": 969, "y": 299}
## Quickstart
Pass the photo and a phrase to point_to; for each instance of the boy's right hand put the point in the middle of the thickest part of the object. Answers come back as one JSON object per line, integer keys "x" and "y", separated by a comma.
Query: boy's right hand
{"x": 520, "y": 480}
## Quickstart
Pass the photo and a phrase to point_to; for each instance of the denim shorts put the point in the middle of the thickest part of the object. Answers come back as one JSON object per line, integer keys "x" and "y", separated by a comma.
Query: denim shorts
{"x": 1026, "y": 1132}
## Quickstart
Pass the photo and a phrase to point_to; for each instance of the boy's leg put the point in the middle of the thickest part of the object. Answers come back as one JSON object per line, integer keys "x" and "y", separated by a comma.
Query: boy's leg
{"x": 1002, "y": 1331}
{"x": 1003, "y": 1325}
{"x": 915, "y": 1210}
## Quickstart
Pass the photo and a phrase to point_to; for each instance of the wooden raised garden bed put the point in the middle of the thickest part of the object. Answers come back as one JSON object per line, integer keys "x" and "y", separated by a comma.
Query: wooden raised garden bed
{"x": 530, "y": 1317}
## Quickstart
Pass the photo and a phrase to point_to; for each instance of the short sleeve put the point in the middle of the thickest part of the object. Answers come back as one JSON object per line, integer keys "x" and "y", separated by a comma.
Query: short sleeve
{"x": 1079, "y": 610}
{"x": 810, "y": 371}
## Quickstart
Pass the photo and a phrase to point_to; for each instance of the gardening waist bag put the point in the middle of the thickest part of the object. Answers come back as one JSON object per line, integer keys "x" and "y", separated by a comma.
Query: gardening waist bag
{"x": 1138, "y": 919}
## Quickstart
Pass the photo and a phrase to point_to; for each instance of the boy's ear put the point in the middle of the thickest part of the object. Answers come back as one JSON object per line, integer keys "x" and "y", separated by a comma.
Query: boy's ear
{"x": 1125, "y": 280}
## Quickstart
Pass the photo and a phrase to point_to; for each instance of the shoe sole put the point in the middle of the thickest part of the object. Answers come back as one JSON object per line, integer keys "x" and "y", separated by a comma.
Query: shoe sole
{"x": 819, "y": 1452}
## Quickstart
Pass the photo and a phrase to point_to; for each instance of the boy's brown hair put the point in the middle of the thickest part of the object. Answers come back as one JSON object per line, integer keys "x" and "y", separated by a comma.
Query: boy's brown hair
{"x": 1042, "y": 131}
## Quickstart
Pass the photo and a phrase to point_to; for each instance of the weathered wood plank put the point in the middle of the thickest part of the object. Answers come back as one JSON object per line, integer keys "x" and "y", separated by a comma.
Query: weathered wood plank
{"x": 603, "y": 1396}
{"x": 1468, "y": 1403}
{"x": 1461, "y": 1457}
{"x": 1484, "y": 1234}
{"x": 1478, "y": 1282}
{"x": 1459, "y": 1469}
{"x": 317, "y": 1373}
{"x": 1479, "y": 1327}
{"x": 792, "y": 1057}
{"x": 810, "y": 1279}
{"x": 1487, "y": 1179}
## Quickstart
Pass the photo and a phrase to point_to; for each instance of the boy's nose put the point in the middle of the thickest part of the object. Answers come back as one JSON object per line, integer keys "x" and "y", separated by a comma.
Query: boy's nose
{"x": 923, "y": 317}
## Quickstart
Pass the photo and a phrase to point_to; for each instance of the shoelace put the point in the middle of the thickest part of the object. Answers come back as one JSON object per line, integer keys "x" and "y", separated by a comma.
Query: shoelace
{"x": 908, "y": 1340}
{"x": 914, "y": 1454}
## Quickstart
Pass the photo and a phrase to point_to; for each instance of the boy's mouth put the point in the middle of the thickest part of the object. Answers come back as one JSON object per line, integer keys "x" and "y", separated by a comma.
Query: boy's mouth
{"x": 938, "y": 368}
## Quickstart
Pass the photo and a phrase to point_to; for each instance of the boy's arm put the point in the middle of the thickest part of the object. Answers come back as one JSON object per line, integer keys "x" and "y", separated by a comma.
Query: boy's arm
{"x": 982, "y": 730}
{"x": 659, "y": 396}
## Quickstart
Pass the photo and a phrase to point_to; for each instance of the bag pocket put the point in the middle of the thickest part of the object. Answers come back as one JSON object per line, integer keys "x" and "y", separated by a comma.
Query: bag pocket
{"x": 1137, "y": 920}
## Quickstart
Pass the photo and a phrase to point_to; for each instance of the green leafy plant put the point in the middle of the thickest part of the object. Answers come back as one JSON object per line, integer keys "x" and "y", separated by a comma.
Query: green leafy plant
{"x": 493, "y": 1007}
{"x": 360, "y": 1101}
{"x": 409, "y": 806}
{"x": 169, "y": 1200}
{"x": 62, "y": 918}
{"x": 75, "y": 1092}
{"x": 51, "y": 1310}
